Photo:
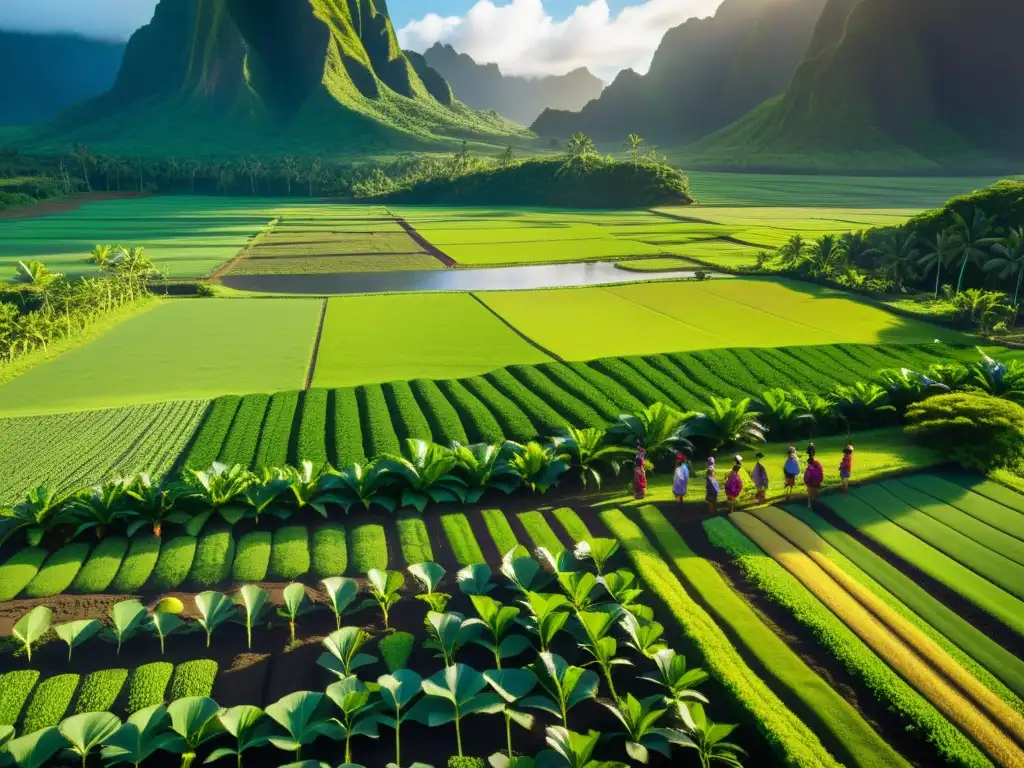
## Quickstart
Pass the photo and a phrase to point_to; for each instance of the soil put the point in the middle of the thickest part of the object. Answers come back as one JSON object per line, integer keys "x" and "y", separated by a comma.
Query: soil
{"x": 65, "y": 204}
{"x": 316, "y": 345}
{"x": 425, "y": 244}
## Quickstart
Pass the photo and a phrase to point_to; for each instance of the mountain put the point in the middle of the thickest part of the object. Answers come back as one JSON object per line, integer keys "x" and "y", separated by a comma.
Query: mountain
{"x": 915, "y": 85}
{"x": 53, "y": 72}
{"x": 522, "y": 99}
{"x": 272, "y": 76}
{"x": 705, "y": 74}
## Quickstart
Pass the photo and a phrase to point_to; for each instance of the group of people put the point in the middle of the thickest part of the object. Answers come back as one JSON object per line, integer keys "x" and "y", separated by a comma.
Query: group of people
{"x": 813, "y": 476}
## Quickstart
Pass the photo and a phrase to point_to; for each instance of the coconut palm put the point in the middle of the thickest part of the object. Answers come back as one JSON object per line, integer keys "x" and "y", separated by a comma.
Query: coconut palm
{"x": 633, "y": 144}
{"x": 862, "y": 405}
{"x": 1008, "y": 259}
{"x": 34, "y": 273}
{"x": 937, "y": 254}
{"x": 580, "y": 145}
{"x": 824, "y": 255}
{"x": 100, "y": 255}
{"x": 972, "y": 241}
{"x": 728, "y": 423}
{"x": 898, "y": 255}
{"x": 793, "y": 253}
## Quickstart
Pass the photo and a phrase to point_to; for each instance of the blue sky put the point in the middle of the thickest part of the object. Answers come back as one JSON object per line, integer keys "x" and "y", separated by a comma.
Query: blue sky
{"x": 404, "y": 11}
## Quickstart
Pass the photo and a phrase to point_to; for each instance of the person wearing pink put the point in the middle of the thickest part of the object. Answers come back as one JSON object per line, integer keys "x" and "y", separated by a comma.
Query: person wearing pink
{"x": 711, "y": 490}
{"x": 814, "y": 476}
{"x": 759, "y": 476}
{"x": 846, "y": 467}
{"x": 733, "y": 487}
{"x": 640, "y": 472}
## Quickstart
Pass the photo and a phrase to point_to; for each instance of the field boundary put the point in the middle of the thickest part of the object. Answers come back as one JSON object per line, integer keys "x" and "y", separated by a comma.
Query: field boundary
{"x": 253, "y": 241}
{"x": 516, "y": 331}
{"x": 316, "y": 346}
{"x": 426, "y": 245}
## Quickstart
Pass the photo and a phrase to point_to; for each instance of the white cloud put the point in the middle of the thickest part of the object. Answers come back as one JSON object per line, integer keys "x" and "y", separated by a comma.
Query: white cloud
{"x": 523, "y": 39}
{"x": 108, "y": 19}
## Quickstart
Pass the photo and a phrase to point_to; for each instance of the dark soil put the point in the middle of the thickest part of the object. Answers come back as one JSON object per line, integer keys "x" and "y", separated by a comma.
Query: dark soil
{"x": 316, "y": 345}
{"x": 65, "y": 204}
{"x": 425, "y": 244}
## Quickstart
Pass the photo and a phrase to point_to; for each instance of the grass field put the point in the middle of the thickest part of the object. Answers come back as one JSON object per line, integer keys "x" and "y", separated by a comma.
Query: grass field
{"x": 182, "y": 349}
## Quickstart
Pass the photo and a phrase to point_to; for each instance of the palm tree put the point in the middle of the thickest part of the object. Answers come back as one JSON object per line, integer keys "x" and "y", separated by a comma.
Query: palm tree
{"x": 823, "y": 255}
{"x": 728, "y": 423}
{"x": 940, "y": 252}
{"x": 633, "y": 143}
{"x": 580, "y": 145}
{"x": 1009, "y": 260}
{"x": 100, "y": 255}
{"x": 856, "y": 248}
{"x": 35, "y": 273}
{"x": 898, "y": 254}
{"x": 972, "y": 240}
{"x": 84, "y": 156}
{"x": 792, "y": 254}
{"x": 289, "y": 168}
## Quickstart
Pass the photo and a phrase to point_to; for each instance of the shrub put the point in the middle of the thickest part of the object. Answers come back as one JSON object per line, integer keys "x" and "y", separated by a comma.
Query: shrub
{"x": 979, "y": 431}
{"x": 14, "y": 690}
{"x": 252, "y": 557}
{"x": 101, "y": 567}
{"x": 543, "y": 416}
{"x": 173, "y": 564}
{"x": 565, "y": 403}
{"x": 276, "y": 433}
{"x": 465, "y": 547}
{"x": 148, "y": 685}
{"x": 480, "y": 424}
{"x": 243, "y": 438}
{"x": 466, "y": 762}
{"x": 515, "y": 425}
{"x": 368, "y": 549}
{"x": 497, "y": 525}
{"x": 19, "y": 570}
{"x": 624, "y": 400}
{"x": 289, "y": 552}
{"x": 59, "y": 571}
{"x": 206, "y": 446}
{"x": 570, "y": 381}
{"x": 444, "y": 421}
{"x": 348, "y": 433}
{"x": 378, "y": 432}
{"x": 99, "y": 691}
{"x": 193, "y": 678}
{"x": 138, "y": 564}
{"x": 311, "y": 444}
{"x": 410, "y": 423}
{"x": 395, "y": 649}
{"x": 212, "y": 562}
{"x": 639, "y": 387}
{"x": 330, "y": 551}
{"x": 49, "y": 703}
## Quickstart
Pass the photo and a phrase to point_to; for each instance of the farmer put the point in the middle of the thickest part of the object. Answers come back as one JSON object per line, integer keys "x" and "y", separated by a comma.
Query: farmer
{"x": 733, "y": 486}
{"x": 814, "y": 475}
{"x": 712, "y": 489}
{"x": 791, "y": 469}
{"x": 846, "y": 467}
{"x": 681, "y": 479}
{"x": 639, "y": 472}
{"x": 759, "y": 476}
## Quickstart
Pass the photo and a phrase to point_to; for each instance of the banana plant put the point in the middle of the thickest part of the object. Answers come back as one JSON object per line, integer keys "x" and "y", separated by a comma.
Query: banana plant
{"x": 304, "y": 718}
{"x": 397, "y": 692}
{"x": 194, "y": 722}
{"x": 295, "y": 605}
{"x": 568, "y": 749}
{"x": 126, "y": 618}
{"x": 74, "y": 633}
{"x": 600, "y": 551}
{"x": 253, "y": 600}
{"x": 539, "y": 466}
{"x": 34, "y": 750}
{"x": 452, "y": 694}
{"x": 448, "y": 633}
{"x": 218, "y": 488}
{"x": 679, "y": 681}
{"x": 644, "y": 637}
{"x": 85, "y": 733}
{"x": 38, "y": 513}
{"x": 214, "y": 609}
{"x": 498, "y": 620}
{"x": 709, "y": 738}
{"x": 485, "y": 467}
{"x": 425, "y": 472}
{"x": 429, "y": 576}
{"x": 363, "y": 485}
{"x": 100, "y": 507}
{"x": 548, "y": 615}
{"x": 523, "y": 572}
{"x": 640, "y": 717}
{"x": 341, "y": 593}
{"x": 264, "y": 496}
{"x": 602, "y": 647}
{"x": 384, "y": 588}
{"x": 344, "y": 646}
{"x": 154, "y": 503}
{"x": 142, "y": 735}
{"x": 250, "y": 727}
{"x": 564, "y": 686}
{"x": 359, "y": 715}
{"x": 512, "y": 685}
{"x": 475, "y": 579}
{"x": 590, "y": 454}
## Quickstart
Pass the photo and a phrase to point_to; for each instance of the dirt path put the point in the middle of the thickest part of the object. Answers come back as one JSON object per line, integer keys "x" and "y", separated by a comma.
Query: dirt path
{"x": 316, "y": 346}
{"x": 224, "y": 268}
{"x": 423, "y": 243}
{"x": 65, "y": 204}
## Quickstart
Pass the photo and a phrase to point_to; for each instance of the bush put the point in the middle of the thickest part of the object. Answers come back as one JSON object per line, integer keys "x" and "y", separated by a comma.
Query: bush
{"x": 174, "y": 563}
{"x": 410, "y": 423}
{"x": 100, "y": 690}
{"x": 148, "y": 685}
{"x": 501, "y": 532}
{"x": 480, "y": 424}
{"x": 212, "y": 562}
{"x": 276, "y": 434}
{"x": 18, "y": 571}
{"x": 206, "y": 446}
{"x": 414, "y": 539}
{"x": 59, "y": 571}
{"x": 544, "y": 417}
{"x": 567, "y": 405}
{"x": 289, "y": 553}
{"x": 102, "y": 566}
{"x": 49, "y": 703}
{"x": 14, "y": 690}
{"x": 368, "y": 549}
{"x": 979, "y": 431}
{"x": 243, "y": 438}
{"x": 466, "y": 762}
{"x": 137, "y": 565}
{"x": 311, "y": 444}
{"x": 348, "y": 432}
{"x": 193, "y": 678}
{"x": 378, "y": 432}
{"x": 252, "y": 557}
{"x": 395, "y": 649}
{"x": 330, "y": 551}
{"x": 444, "y": 421}
{"x": 515, "y": 425}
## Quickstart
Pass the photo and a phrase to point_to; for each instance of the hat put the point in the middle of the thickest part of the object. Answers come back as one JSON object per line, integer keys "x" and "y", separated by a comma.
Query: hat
{"x": 848, "y": 449}
{"x": 738, "y": 459}
{"x": 792, "y": 449}
{"x": 680, "y": 456}
{"x": 758, "y": 455}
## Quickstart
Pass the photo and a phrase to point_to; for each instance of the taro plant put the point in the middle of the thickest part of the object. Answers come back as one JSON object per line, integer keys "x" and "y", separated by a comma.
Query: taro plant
{"x": 512, "y": 685}
{"x": 217, "y": 488}
{"x": 398, "y": 691}
{"x": 38, "y": 513}
{"x": 485, "y": 467}
{"x": 359, "y": 715}
{"x": 304, "y": 719}
{"x": 363, "y": 485}
{"x": 425, "y": 472}
{"x": 659, "y": 428}
{"x": 254, "y": 601}
{"x": 74, "y": 633}
{"x": 295, "y": 605}
{"x": 312, "y": 487}
{"x": 165, "y": 619}
{"x": 727, "y": 423}
{"x": 264, "y": 495}
{"x": 564, "y": 686}
{"x": 547, "y": 617}
{"x": 645, "y": 637}
{"x": 126, "y": 618}
{"x": 86, "y": 732}
{"x": 154, "y": 503}
{"x": 475, "y": 579}
{"x": 590, "y": 455}
{"x": 640, "y": 717}
{"x": 568, "y": 749}
{"x": 448, "y": 633}
{"x": 139, "y": 738}
{"x": 604, "y": 649}
{"x": 384, "y": 588}
{"x": 249, "y": 726}
{"x": 429, "y": 576}
{"x": 34, "y": 750}
{"x": 100, "y": 507}
{"x": 341, "y": 593}
{"x": 32, "y": 626}
{"x": 539, "y": 466}
{"x": 600, "y": 551}
{"x": 679, "y": 682}
{"x": 194, "y": 722}
{"x": 452, "y": 694}
{"x": 708, "y": 739}
{"x": 344, "y": 648}
{"x": 498, "y": 620}
{"x": 214, "y": 609}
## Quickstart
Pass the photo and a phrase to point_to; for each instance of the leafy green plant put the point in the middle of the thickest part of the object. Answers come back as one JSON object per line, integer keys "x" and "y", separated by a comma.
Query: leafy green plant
{"x": 148, "y": 685}
{"x": 425, "y": 472}
{"x": 600, "y": 551}
{"x": 36, "y": 749}
{"x": 100, "y": 507}
{"x": 512, "y": 685}
{"x": 448, "y": 633}
{"x": 589, "y": 454}
{"x": 564, "y": 686}
{"x": 216, "y": 488}
{"x": 74, "y": 633}
{"x": 84, "y": 733}
{"x": 153, "y": 503}
{"x": 194, "y": 722}
{"x": 126, "y": 618}
{"x": 395, "y": 649}
{"x": 538, "y": 465}
{"x": 645, "y": 637}
{"x": 709, "y": 738}
{"x": 862, "y": 405}
{"x": 194, "y": 677}
{"x": 452, "y": 694}
{"x": 727, "y": 423}
{"x": 640, "y": 717}
{"x": 38, "y": 513}
{"x": 582, "y": 588}
{"x": 523, "y": 572}
{"x": 547, "y": 617}
{"x": 359, "y": 715}
{"x": 303, "y": 718}
{"x": 906, "y": 387}
{"x": 569, "y": 749}
{"x": 596, "y": 626}
{"x": 99, "y": 690}
{"x": 363, "y": 485}
{"x": 979, "y": 431}
{"x": 498, "y": 620}
{"x": 484, "y": 467}
{"x": 678, "y": 681}
{"x": 141, "y": 736}
{"x": 32, "y": 626}
{"x": 475, "y": 579}
{"x": 50, "y": 701}
{"x": 341, "y": 593}
{"x": 295, "y": 605}
{"x": 312, "y": 486}
{"x": 250, "y": 727}
{"x": 398, "y": 691}
{"x": 264, "y": 495}
{"x": 214, "y": 609}
{"x": 344, "y": 646}
{"x": 785, "y": 415}
{"x": 253, "y": 600}
{"x": 429, "y": 576}
{"x": 659, "y": 428}
{"x": 384, "y": 588}
{"x": 621, "y": 587}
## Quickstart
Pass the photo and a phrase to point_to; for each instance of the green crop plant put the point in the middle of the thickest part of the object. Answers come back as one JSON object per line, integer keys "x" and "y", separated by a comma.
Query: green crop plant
{"x": 564, "y": 686}
{"x": 681, "y": 389}
{"x": 515, "y": 424}
{"x": 581, "y": 587}
{"x": 512, "y": 685}
{"x": 452, "y": 694}
{"x": 368, "y": 548}
{"x": 378, "y": 430}
{"x": 193, "y": 678}
{"x": 74, "y": 633}
{"x": 241, "y": 441}
{"x": 213, "y": 432}
{"x": 37, "y": 514}
{"x": 311, "y": 486}
{"x": 19, "y": 570}
{"x": 213, "y": 558}
{"x": 348, "y": 433}
{"x": 484, "y": 467}
{"x": 126, "y": 618}
{"x": 539, "y": 466}
{"x": 101, "y": 567}
{"x": 99, "y": 691}
{"x": 523, "y": 572}
{"x": 632, "y": 381}
{"x": 311, "y": 445}
{"x": 35, "y": 749}
{"x": 414, "y": 539}
{"x": 86, "y": 732}
{"x": 563, "y": 401}
{"x": 164, "y": 619}
{"x": 621, "y": 586}
{"x": 252, "y": 557}
{"x": 137, "y": 565}
{"x": 643, "y": 736}
{"x": 253, "y": 600}
{"x": 598, "y": 550}
{"x": 659, "y": 428}
{"x": 214, "y": 609}
{"x": 539, "y": 531}
{"x": 465, "y": 547}
{"x": 100, "y": 507}
{"x": 59, "y": 571}
{"x": 194, "y": 721}
{"x": 448, "y": 633}
{"x": 341, "y": 593}
{"x": 726, "y": 423}
{"x": 475, "y": 579}
{"x": 49, "y": 702}
{"x": 359, "y": 714}
{"x": 428, "y": 576}
{"x": 362, "y": 485}
{"x": 15, "y": 688}
{"x": 398, "y": 691}
{"x": 498, "y": 527}
{"x": 395, "y": 650}
{"x": 498, "y": 620}
{"x": 480, "y": 424}
{"x": 604, "y": 649}
{"x": 299, "y": 714}
{"x": 329, "y": 555}
{"x": 216, "y": 488}
{"x": 679, "y": 681}
{"x": 249, "y": 726}
{"x": 289, "y": 553}
{"x": 295, "y": 605}
{"x": 589, "y": 455}
{"x": 385, "y": 587}
{"x": 425, "y": 475}
{"x": 266, "y": 496}
{"x": 31, "y": 627}
{"x": 644, "y": 637}
{"x": 708, "y": 739}
{"x": 545, "y": 418}
{"x": 173, "y": 564}
{"x": 547, "y": 617}
{"x": 411, "y": 422}
{"x": 154, "y": 503}
{"x": 142, "y": 735}
{"x": 272, "y": 449}
{"x": 148, "y": 685}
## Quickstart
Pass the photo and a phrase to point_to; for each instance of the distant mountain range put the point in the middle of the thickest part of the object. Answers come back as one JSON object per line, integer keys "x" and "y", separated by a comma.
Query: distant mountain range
{"x": 46, "y": 73}
{"x": 483, "y": 86}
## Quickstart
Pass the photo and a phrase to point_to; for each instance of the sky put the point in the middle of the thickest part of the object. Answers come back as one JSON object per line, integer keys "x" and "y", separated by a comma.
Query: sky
{"x": 524, "y": 37}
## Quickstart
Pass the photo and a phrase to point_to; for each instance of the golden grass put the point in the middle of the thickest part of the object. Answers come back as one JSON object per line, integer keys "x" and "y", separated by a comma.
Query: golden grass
{"x": 975, "y": 709}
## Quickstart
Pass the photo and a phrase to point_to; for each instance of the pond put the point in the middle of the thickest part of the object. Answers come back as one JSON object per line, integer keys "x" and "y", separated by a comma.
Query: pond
{"x": 492, "y": 279}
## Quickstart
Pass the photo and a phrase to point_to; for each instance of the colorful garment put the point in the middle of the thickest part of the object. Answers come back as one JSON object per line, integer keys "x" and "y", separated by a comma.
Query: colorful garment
{"x": 639, "y": 474}
{"x": 681, "y": 480}
{"x": 712, "y": 489}
{"x": 846, "y": 466}
{"x": 759, "y": 476}
{"x": 814, "y": 475}
{"x": 791, "y": 469}
{"x": 733, "y": 485}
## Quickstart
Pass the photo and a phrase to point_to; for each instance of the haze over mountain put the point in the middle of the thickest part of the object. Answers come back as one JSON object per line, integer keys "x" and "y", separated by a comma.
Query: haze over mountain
{"x": 483, "y": 86}
{"x": 53, "y": 71}
{"x": 705, "y": 74}
{"x": 916, "y": 84}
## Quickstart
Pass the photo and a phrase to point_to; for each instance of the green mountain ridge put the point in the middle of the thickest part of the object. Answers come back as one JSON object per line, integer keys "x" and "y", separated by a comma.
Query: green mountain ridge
{"x": 290, "y": 75}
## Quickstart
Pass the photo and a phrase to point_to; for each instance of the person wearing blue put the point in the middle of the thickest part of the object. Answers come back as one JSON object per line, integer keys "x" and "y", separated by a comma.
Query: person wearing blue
{"x": 791, "y": 469}
{"x": 681, "y": 479}
{"x": 713, "y": 489}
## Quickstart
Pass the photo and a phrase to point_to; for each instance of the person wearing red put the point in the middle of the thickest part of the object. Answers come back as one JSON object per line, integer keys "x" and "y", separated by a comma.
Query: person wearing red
{"x": 733, "y": 487}
{"x": 846, "y": 467}
{"x": 814, "y": 475}
{"x": 640, "y": 472}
